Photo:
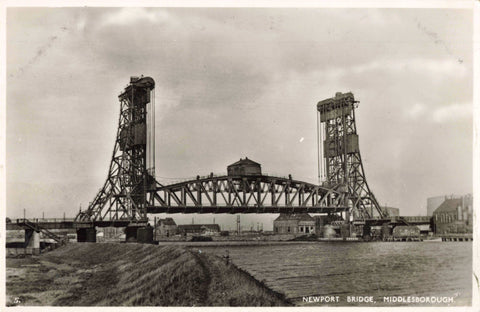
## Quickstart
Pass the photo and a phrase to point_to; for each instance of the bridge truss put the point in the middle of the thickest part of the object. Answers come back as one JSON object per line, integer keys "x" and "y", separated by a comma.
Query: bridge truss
{"x": 131, "y": 192}
{"x": 342, "y": 163}
{"x": 123, "y": 196}
{"x": 244, "y": 194}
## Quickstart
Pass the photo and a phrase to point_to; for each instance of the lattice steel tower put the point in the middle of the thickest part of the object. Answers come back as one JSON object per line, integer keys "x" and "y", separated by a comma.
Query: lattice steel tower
{"x": 342, "y": 166}
{"x": 132, "y": 167}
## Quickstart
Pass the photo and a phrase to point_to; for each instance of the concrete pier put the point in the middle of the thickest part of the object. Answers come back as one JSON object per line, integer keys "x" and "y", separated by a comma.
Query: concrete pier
{"x": 145, "y": 235}
{"x": 32, "y": 242}
{"x": 131, "y": 234}
{"x": 87, "y": 235}
{"x": 457, "y": 238}
{"x": 135, "y": 234}
{"x": 345, "y": 231}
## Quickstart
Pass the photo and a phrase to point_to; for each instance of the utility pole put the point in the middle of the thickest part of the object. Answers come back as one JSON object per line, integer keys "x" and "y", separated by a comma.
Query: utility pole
{"x": 155, "y": 228}
{"x": 238, "y": 224}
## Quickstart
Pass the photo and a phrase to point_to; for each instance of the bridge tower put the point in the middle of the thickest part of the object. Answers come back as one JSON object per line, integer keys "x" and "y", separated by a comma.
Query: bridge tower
{"x": 123, "y": 197}
{"x": 342, "y": 166}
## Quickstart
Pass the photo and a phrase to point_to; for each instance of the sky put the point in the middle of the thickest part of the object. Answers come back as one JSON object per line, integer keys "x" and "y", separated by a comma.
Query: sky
{"x": 234, "y": 83}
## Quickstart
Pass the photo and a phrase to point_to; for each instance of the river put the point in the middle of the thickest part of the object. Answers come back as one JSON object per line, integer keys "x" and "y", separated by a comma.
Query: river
{"x": 335, "y": 273}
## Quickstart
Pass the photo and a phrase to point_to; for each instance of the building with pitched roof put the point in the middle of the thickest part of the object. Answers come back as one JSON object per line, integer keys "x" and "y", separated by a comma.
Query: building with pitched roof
{"x": 166, "y": 227}
{"x": 435, "y": 202}
{"x": 454, "y": 215}
{"x": 295, "y": 223}
{"x": 244, "y": 167}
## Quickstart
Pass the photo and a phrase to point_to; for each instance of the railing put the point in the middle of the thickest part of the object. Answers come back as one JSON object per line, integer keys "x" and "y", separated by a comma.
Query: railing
{"x": 44, "y": 220}
{"x": 37, "y": 228}
{"x": 215, "y": 175}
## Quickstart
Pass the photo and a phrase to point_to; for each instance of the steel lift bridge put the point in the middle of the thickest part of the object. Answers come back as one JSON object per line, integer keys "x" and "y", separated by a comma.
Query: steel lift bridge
{"x": 131, "y": 192}
{"x": 342, "y": 164}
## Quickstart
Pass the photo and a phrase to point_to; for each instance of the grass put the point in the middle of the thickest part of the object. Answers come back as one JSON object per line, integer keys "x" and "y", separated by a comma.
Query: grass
{"x": 113, "y": 274}
{"x": 231, "y": 286}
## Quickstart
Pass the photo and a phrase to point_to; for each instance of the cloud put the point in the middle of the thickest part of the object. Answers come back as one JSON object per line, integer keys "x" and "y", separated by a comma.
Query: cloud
{"x": 453, "y": 112}
{"x": 443, "y": 67}
{"x": 415, "y": 111}
{"x": 128, "y": 16}
{"x": 235, "y": 82}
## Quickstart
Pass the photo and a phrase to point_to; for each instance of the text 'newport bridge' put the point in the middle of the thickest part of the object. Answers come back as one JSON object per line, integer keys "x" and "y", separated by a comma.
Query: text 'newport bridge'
{"x": 130, "y": 191}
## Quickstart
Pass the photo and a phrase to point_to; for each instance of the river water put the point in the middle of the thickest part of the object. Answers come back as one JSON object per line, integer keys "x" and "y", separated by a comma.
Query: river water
{"x": 315, "y": 273}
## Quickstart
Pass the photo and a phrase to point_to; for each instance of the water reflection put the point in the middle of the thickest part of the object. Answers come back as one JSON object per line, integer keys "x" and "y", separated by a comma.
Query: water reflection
{"x": 347, "y": 270}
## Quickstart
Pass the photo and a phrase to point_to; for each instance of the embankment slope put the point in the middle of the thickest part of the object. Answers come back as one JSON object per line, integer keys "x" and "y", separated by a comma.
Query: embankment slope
{"x": 112, "y": 274}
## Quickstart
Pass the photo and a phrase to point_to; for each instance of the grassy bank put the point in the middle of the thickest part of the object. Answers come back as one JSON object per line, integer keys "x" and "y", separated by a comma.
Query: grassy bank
{"x": 113, "y": 274}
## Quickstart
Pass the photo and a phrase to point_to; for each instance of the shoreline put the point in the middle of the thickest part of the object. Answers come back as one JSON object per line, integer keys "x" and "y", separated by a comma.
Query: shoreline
{"x": 230, "y": 243}
{"x": 113, "y": 274}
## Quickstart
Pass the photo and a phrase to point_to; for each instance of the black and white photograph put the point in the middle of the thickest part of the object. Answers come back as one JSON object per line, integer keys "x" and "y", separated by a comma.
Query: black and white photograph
{"x": 239, "y": 155}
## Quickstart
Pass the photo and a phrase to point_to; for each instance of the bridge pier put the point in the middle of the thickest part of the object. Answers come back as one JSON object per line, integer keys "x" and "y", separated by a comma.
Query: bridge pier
{"x": 136, "y": 234}
{"x": 345, "y": 231}
{"x": 32, "y": 241}
{"x": 131, "y": 234}
{"x": 87, "y": 235}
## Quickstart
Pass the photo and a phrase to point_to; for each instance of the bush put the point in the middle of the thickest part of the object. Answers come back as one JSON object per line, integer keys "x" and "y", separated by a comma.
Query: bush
{"x": 201, "y": 239}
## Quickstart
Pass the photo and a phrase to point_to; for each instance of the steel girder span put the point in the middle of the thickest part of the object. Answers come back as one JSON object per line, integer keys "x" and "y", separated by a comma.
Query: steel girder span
{"x": 244, "y": 194}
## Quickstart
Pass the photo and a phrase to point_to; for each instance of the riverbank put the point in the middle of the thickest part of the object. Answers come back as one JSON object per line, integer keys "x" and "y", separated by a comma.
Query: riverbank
{"x": 113, "y": 274}
{"x": 230, "y": 243}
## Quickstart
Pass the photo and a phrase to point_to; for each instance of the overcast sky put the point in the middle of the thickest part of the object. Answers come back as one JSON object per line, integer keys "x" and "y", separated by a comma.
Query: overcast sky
{"x": 232, "y": 83}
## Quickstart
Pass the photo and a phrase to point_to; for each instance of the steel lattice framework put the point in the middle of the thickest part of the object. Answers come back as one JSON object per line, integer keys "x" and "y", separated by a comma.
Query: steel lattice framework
{"x": 131, "y": 191}
{"x": 123, "y": 196}
{"x": 342, "y": 166}
{"x": 245, "y": 194}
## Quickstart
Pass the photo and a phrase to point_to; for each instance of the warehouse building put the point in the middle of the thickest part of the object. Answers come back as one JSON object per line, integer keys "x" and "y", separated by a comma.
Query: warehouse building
{"x": 454, "y": 215}
{"x": 296, "y": 223}
{"x": 199, "y": 229}
{"x": 435, "y": 202}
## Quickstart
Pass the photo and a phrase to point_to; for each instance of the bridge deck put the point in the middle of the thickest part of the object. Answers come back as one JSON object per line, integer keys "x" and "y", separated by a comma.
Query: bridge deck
{"x": 51, "y": 224}
{"x": 60, "y": 223}
{"x": 244, "y": 209}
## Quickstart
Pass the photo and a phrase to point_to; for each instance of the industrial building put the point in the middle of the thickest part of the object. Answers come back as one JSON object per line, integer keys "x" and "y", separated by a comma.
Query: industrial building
{"x": 435, "y": 202}
{"x": 297, "y": 223}
{"x": 454, "y": 215}
{"x": 198, "y": 229}
{"x": 244, "y": 167}
{"x": 166, "y": 227}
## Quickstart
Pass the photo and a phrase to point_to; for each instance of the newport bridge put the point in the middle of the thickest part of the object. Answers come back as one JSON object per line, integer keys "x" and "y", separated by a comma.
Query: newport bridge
{"x": 131, "y": 192}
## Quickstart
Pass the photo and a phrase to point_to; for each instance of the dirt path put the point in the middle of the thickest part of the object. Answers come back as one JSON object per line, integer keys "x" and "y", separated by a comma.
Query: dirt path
{"x": 204, "y": 287}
